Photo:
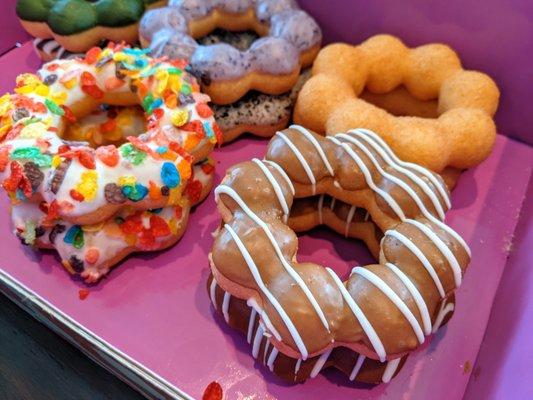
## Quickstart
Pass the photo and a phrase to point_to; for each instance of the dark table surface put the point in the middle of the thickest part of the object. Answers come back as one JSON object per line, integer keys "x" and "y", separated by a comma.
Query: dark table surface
{"x": 35, "y": 363}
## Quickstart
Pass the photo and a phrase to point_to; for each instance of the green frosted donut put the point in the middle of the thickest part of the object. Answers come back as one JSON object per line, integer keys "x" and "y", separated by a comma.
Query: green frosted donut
{"x": 68, "y": 17}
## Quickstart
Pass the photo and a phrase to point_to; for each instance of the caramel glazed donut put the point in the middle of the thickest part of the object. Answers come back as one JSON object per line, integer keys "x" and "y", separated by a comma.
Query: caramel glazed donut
{"x": 77, "y": 185}
{"x": 281, "y": 42}
{"x": 311, "y": 318}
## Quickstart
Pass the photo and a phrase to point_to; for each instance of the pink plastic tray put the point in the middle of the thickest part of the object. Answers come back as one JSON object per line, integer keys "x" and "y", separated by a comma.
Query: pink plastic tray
{"x": 150, "y": 321}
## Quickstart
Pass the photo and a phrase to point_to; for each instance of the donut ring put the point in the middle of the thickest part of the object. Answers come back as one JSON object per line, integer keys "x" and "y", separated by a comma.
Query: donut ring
{"x": 291, "y": 39}
{"x": 83, "y": 185}
{"x": 90, "y": 251}
{"x": 305, "y": 308}
{"x": 461, "y": 136}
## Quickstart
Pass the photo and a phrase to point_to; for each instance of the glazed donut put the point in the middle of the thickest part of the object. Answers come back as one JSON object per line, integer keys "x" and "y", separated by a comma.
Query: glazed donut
{"x": 306, "y": 309}
{"x": 239, "y": 315}
{"x": 83, "y": 185}
{"x": 78, "y": 25}
{"x": 290, "y": 40}
{"x": 440, "y": 114}
{"x": 90, "y": 251}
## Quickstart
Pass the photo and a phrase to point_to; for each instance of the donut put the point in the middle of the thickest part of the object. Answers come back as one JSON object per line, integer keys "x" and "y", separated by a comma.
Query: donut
{"x": 258, "y": 113}
{"x": 288, "y": 40}
{"x": 420, "y": 101}
{"x": 242, "y": 317}
{"x": 84, "y": 185}
{"x": 90, "y": 251}
{"x": 78, "y": 25}
{"x": 382, "y": 311}
{"x": 49, "y": 49}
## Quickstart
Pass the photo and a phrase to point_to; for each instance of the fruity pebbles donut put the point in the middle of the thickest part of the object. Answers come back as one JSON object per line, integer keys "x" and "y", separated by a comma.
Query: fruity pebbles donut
{"x": 245, "y": 53}
{"x": 84, "y": 185}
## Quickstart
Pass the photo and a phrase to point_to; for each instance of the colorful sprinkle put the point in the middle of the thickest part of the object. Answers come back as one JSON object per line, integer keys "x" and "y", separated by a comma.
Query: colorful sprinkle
{"x": 170, "y": 175}
{"x": 132, "y": 154}
{"x": 88, "y": 185}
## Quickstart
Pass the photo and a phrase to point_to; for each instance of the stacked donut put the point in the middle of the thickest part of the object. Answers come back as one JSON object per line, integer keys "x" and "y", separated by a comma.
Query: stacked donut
{"x": 252, "y": 77}
{"x": 300, "y": 317}
{"x": 95, "y": 205}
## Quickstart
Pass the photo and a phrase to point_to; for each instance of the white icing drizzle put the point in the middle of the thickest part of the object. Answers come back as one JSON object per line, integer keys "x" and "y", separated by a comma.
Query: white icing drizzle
{"x": 396, "y": 300}
{"x": 213, "y": 293}
{"x": 281, "y": 311}
{"x": 415, "y": 178}
{"x": 349, "y": 219}
{"x": 251, "y": 324}
{"x": 419, "y": 300}
{"x": 357, "y": 367}
{"x": 319, "y": 364}
{"x": 320, "y": 206}
{"x": 265, "y": 352}
{"x": 408, "y": 189}
{"x": 257, "y": 340}
{"x": 367, "y": 215}
{"x": 332, "y": 204}
{"x": 276, "y": 186}
{"x": 317, "y": 146}
{"x": 300, "y": 158}
{"x": 272, "y": 358}
{"x": 446, "y": 252}
{"x": 416, "y": 167}
{"x": 282, "y": 173}
{"x": 418, "y": 254}
{"x": 390, "y": 369}
{"x": 290, "y": 270}
{"x": 225, "y": 306}
{"x": 368, "y": 178}
{"x": 442, "y": 313}
{"x": 361, "y": 317}
{"x": 297, "y": 367}
{"x": 264, "y": 317}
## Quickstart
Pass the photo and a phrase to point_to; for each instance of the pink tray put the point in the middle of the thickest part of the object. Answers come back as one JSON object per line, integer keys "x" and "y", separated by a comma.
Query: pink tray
{"x": 150, "y": 321}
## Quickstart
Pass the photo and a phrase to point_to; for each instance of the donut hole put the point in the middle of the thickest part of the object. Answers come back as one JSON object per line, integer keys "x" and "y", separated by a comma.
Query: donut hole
{"x": 401, "y": 103}
{"x": 241, "y": 40}
{"x": 105, "y": 125}
{"x": 331, "y": 242}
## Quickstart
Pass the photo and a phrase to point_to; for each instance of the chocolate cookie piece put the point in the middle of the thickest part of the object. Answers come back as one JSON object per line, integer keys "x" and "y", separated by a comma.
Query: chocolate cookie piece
{"x": 258, "y": 109}
{"x": 240, "y": 40}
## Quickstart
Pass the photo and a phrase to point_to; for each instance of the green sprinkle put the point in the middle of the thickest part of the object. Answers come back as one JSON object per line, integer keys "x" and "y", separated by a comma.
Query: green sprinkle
{"x": 32, "y": 153}
{"x": 53, "y": 107}
{"x": 147, "y": 101}
{"x": 78, "y": 239}
{"x": 132, "y": 154}
{"x": 174, "y": 71}
{"x": 31, "y": 120}
{"x": 186, "y": 89}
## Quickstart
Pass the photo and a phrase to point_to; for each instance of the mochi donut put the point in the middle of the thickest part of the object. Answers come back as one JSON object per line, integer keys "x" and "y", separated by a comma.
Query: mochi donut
{"x": 421, "y": 101}
{"x": 244, "y": 318}
{"x": 90, "y": 251}
{"x": 289, "y": 41}
{"x": 83, "y": 185}
{"x": 49, "y": 50}
{"x": 382, "y": 311}
{"x": 78, "y": 25}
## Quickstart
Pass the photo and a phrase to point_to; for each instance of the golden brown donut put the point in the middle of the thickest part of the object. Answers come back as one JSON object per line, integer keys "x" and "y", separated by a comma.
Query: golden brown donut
{"x": 420, "y": 101}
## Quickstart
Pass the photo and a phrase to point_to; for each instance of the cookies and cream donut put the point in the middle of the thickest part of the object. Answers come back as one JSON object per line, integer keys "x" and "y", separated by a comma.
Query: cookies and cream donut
{"x": 90, "y": 251}
{"x": 85, "y": 185}
{"x": 289, "y": 40}
{"x": 306, "y": 310}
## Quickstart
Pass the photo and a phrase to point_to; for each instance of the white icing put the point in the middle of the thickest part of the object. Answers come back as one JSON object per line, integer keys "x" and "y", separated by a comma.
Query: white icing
{"x": 297, "y": 367}
{"x": 265, "y": 351}
{"x": 251, "y": 324}
{"x": 225, "y": 306}
{"x": 440, "y": 316}
{"x": 257, "y": 340}
{"x": 361, "y": 317}
{"x": 272, "y": 358}
{"x": 390, "y": 369}
{"x": 349, "y": 219}
{"x": 357, "y": 367}
{"x": 418, "y": 254}
{"x": 282, "y": 173}
{"x": 212, "y": 292}
{"x": 309, "y": 136}
{"x": 300, "y": 158}
{"x": 290, "y": 270}
{"x": 276, "y": 186}
{"x": 281, "y": 311}
{"x": 419, "y": 300}
{"x": 396, "y": 300}
{"x": 320, "y": 206}
{"x": 319, "y": 364}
